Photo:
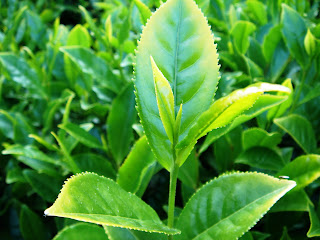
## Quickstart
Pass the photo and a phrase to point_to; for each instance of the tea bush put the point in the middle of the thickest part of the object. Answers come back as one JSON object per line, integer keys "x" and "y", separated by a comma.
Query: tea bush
{"x": 68, "y": 106}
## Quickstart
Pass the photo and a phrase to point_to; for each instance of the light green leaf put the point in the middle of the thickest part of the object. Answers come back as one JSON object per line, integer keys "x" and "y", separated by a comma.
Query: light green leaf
{"x": 81, "y": 135}
{"x": 261, "y": 157}
{"x": 93, "y": 65}
{"x": 310, "y": 43}
{"x": 224, "y": 111}
{"x": 165, "y": 100}
{"x": 81, "y": 231}
{"x": 31, "y": 226}
{"x": 303, "y": 170}
{"x": 254, "y": 137}
{"x": 108, "y": 28}
{"x": 270, "y": 42}
{"x": 219, "y": 211}
{"x": 314, "y": 230}
{"x": 281, "y": 108}
{"x": 22, "y": 74}
{"x": 186, "y": 55}
{"x": 300, "y": 129}
{"x": 240, "y": 33}
{"x": 90, "y": 198}
{"x": 264, "y": 103}
{"x": 92, "y": 25}
{"x": 294, "y": 30}
{"x": 144, "y": 11}
{"x": 258, "y": 10}
{"x": 138, "y": 168}
{"x": 119, "y": 123}
{"x": 79, "y": 36}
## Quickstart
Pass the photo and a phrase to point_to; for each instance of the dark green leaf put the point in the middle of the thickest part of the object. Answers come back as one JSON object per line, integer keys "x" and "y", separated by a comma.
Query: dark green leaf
{"x": 81, "y": 231}
{"x": 138, "y": 168}
{"x": 119, "y": 123}
{"x": 300, "y": 129}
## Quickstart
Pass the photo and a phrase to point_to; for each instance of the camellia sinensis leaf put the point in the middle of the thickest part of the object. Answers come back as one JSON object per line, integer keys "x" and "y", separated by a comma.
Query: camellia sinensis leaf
{"x": 90, "y": 198}
{"x": 304, "y": 170}
{"x": 300, "y": 129}
{"x": 81, "y": 231}
{"x": 138, "y": 168}
{"x": 223, "y": 111}
{"x": 314, "y": 230}
{"x": 165, "y": 100}
{"x": 263, "y": 103}
{"x": 179, "y": 39}
{"x": 228, "y": 206}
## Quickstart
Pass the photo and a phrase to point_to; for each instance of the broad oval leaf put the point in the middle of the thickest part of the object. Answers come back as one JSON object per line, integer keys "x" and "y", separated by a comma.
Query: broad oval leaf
{"x": 138, "y": 168}
{"x": 300, "y": 129}
{"x": 294, "y": 30}
{"x": 254, "y": 137}
{"x": 314, "y": 230}
{"x": 240, "y": 33}
{"x": 90, "y": 198}
{"x": 93, "y": 65}
{"x": 22, "y": 74}
{"x": 304, "y": 170}
{"x": 227, "y": 207}
{"x": 187, "y": 57}
{"x": 81, "y": 231}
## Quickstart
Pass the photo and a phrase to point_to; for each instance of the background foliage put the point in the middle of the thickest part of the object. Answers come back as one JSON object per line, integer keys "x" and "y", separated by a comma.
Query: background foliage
{"x": 67, "y": 106}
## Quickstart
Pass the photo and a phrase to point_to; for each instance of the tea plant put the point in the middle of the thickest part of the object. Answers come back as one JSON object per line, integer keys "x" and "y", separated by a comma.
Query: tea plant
{"x": 176, "y": 75}
{"x": 67, "y": 106}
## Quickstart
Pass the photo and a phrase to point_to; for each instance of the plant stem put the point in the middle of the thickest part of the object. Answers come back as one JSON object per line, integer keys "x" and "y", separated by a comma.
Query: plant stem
{"x": 297, "y": 96}
{"x": 172, "y": 196}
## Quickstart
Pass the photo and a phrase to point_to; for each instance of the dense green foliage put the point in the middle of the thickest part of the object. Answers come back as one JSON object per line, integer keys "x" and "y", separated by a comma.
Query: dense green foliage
{"x": 68, "y": 106}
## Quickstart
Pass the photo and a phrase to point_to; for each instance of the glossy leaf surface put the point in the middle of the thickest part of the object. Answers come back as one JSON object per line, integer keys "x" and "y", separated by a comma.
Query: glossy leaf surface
{"x": 219, "y": 209}
{"x": 303, "y": 170}
{"x": 93, "y": 65}
{"x": 263, "y": 103}
{"x": 314, "y": 230}
{"x": 119, "y": 123}
{"x": 240, "y": 33}
{"x": 223, "y": 111}
{"x": 294, "y": 31}
{"x": 138, "y": 168}
{"x": 81, "y": 135}
{"x": 186, "y": 55}
{"x": 91, "y": 198}
{"x": 21, "y": 73}
{"x": 165, "y": 100}
{"x": 81, "y": 231}
{"x": 300, "y": 129}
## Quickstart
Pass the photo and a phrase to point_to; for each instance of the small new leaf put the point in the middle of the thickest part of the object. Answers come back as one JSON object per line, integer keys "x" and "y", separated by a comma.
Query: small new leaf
{"x": 165, "y": 100}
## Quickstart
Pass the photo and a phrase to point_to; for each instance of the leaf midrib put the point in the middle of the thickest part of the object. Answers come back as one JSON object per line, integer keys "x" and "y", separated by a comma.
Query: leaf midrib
{"x": 176, "y": 53}
{"x": 224, "y": 219}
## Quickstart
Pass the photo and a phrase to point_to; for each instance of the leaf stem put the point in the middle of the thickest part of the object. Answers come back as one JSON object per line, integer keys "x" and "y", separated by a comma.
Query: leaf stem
{"x": 172, "y": 196}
